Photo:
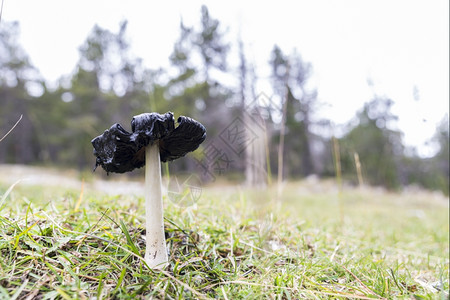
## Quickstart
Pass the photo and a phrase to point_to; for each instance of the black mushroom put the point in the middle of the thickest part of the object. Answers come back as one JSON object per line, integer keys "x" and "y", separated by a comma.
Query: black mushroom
{"x": 154, "y": 138}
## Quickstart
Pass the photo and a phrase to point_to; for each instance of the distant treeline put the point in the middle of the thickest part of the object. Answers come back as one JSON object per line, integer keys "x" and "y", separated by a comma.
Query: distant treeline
{"x": 246, "y": 129}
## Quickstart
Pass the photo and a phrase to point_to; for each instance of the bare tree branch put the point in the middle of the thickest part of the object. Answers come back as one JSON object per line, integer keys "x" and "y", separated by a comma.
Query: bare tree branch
{"x": 11, "y": 129}
{"x": 1, "y": 11}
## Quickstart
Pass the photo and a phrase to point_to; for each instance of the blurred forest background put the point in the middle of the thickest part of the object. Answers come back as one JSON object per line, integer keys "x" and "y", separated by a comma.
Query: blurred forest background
{"x": 252, "y": 136}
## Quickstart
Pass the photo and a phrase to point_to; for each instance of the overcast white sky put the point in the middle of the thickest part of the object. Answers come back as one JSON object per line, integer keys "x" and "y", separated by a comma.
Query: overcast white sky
{"x": 399, "y": 45}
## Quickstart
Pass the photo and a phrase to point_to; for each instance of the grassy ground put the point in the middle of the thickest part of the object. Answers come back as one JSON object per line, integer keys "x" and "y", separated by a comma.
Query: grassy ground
{"x": 317, "y": 243}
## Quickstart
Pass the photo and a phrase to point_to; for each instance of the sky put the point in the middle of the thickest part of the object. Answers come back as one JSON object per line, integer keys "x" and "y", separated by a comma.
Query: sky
{"x": 400, "y": 46}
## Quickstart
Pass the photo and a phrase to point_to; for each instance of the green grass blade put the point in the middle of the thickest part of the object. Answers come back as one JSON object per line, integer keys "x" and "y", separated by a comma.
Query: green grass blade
{"x": 19, "y": 290}
{"x": 130, "y": 242}
{"x": 100, "y": 285}
{"x": 8, "y": 191}
{"x": 119, "y": 282}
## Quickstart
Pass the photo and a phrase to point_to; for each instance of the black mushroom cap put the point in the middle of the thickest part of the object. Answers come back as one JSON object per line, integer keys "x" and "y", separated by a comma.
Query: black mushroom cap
{"x": 120, "y": 151}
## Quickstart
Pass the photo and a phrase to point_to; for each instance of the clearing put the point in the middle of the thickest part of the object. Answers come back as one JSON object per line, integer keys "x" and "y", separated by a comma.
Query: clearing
{"x": 65, "y": 235}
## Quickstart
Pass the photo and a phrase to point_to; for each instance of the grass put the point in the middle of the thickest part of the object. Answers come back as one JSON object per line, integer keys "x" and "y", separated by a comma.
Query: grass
{"x": 57, "y": 243}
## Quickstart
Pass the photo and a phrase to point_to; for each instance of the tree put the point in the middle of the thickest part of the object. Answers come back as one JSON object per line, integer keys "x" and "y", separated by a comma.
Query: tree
{"x": 377, "y": 143}
{"x": 193, "y": 90}
{"x": 289, "y": 79}
{"x": 209, "y": 41}
{"x": 433, "y": 172}
{"x": 184, "y": 92}
{"x": 250, "y": 113}
{"x": 441, "y": 160}
{"x": 107, "y": 87}
{"x": 20, "y": 82}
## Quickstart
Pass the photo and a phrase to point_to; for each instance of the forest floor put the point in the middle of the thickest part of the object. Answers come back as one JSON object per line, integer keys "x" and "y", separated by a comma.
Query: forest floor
{"x": 69, "y": 235}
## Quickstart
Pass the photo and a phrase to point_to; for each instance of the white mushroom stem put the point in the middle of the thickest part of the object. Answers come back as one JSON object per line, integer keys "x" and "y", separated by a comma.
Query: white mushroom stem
{"x": 156, "y": 251}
